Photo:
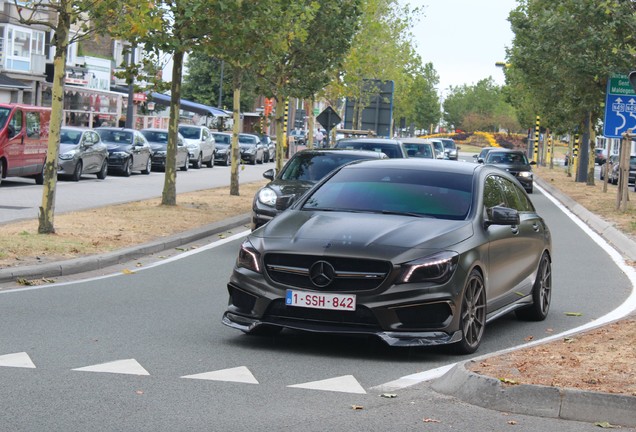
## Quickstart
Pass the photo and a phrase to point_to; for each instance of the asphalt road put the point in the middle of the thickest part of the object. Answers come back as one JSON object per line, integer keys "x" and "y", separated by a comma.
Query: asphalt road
{"x": 21, "y": 197}
{"x": 152, "y": 354}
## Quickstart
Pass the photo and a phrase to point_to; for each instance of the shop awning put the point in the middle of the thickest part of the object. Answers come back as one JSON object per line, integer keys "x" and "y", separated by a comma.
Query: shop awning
{"x": 10, "y": 83}
{"x": 187, "y": 105}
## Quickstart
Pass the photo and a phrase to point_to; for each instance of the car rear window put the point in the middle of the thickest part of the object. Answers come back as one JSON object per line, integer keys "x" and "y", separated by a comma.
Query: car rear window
{"x": 423, "y": 193}
{"x": 190, "y": 132}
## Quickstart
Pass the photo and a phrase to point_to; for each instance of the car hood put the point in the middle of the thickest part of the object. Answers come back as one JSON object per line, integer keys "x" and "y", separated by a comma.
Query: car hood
{"x": 67, "y": 147}
{"x": 118, "y": 147}
{"x": 157, "y": 146}
{"x": 360, "y": 234}
{"x": 247, "y": 146}
{"x": 191, "y": 142}
{"x": 290, "y": 187}
{"x": 512, "y": 167}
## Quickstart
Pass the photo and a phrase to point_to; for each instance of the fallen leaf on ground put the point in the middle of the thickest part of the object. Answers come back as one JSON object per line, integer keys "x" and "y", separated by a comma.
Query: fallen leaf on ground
{"x": 430, "y": 420}
{"x": 508, "y": 381}
{"x": 605, "y": 425}
{"x": 529, "y": 338}
{"x": 126, "y": 271}
{"x": 512, "y": 422}
{"x": 357, "y": 407}
{"x": 388, "y": 395}
{"x": 573, "y": 314}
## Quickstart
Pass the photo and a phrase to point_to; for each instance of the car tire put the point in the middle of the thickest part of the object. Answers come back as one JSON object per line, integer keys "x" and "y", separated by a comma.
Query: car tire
{"x": 148, "y": 167}
{"x": 77, "y": 172}
{"x": 1, "y": 171}
{"x": 39, "y": 178}
{"x": 541, "y": 293}
{"x": 210, "y": 163}
{"x": 103, "y": 172}
{"x": 186, "y": 165}
{"x": 472, "y": 318}
{"x": 127, "y": 170}
{"x": 197, "y": 164}
{"x": 253, "y": 161}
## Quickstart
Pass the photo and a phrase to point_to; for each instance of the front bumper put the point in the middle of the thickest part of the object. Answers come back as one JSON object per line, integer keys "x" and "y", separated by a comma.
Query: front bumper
{"x": 66, "y": 167}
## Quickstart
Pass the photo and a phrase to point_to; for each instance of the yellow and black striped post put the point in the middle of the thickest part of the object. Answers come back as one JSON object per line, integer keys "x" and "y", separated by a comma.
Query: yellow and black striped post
{"x": 550, "y": 151}
{"x": 575, "y": 155}
{"x": 537, "y": 130}
{"x": 285, "y": 126}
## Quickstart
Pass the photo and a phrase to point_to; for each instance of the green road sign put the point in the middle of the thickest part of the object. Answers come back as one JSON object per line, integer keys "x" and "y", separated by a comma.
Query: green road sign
{"x": 619, "y": 85}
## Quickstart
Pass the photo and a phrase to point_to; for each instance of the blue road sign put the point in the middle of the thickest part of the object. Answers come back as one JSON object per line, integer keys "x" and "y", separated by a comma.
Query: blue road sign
{"x": 620, "y": 107}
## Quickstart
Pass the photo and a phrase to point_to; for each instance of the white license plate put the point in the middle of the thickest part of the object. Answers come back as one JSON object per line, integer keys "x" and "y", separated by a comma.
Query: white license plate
{"x": 320, "y": 301}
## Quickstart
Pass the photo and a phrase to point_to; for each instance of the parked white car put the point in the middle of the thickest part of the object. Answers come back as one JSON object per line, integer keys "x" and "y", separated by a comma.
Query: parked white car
{"x": 200, "y": 144}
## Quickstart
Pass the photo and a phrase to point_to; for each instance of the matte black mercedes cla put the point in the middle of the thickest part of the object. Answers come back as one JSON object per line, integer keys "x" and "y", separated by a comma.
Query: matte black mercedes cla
{"x": 415, "y": 252}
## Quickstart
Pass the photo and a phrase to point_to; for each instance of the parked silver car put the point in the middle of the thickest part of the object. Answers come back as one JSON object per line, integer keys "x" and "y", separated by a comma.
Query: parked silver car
{"x": 200, "y": 143}
{"x": 81, "y": 152}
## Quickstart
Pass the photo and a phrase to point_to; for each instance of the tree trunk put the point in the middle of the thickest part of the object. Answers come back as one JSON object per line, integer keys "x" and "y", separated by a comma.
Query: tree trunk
{"x": 235, "y": 150}
{"x": 46, "y": 214}
{"x": 312, "y": 124}
{"x": 281, "y": 133}
{"x": 169, "y": 196}
{"x": 590, "y": 160}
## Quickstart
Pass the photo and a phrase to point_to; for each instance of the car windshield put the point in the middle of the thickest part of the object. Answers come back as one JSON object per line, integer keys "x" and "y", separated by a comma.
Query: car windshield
{"x": 156, "y": 136}
{"x": 115, "y": 136}
{"x": 449, "y": 144}
{"x": 68, "y": 136}
{"x": 423, "y": 193}
{"x": 313, "y": 167}
{"x": 190, "y": 132}
{"x": 222, "y": 139}
{"x": 495, "y": 157}
{"x": 247, "y": 139}
{"x": 419, "y": 150}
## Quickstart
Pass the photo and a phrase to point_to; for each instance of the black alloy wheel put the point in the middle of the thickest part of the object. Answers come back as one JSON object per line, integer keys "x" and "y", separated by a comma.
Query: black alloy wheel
{"x": 473, "y": 314}
{"x": 39, "y": 178}
{"x": 186, "y": 164}
{"x": 127, "y": 170}
{"x": 541, "y": 293}
{"x": 148, "y": 167}
{"x": 103, "y": 172}
{"x": 77, "y": 172}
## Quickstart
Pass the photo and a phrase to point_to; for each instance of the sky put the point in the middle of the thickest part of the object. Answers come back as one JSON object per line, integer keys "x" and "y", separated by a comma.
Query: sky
{"x": 464, "y": 38}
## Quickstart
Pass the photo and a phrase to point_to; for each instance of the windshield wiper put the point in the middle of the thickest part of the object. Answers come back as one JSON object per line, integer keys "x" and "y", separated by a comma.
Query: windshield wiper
{"x": 401, "y": 213}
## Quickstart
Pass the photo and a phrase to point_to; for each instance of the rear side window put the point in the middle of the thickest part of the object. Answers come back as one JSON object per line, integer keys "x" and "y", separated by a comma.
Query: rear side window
{"x": 33, "y": 124}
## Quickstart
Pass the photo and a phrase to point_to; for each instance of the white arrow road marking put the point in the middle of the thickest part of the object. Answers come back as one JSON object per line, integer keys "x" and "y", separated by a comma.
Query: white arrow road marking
{"x": 238, "y": 374}
{"x": 345, "y": 384}
{"x": 128, "y": 366}
{"x": 19, "y": 360}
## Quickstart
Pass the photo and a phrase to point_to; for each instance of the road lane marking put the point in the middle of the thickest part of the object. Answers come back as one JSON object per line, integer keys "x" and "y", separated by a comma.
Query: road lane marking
{"x": 344, "y": 384}
{"x": 127, "y": 366}
{"x": 19, "y": 360}
{"x": 239, "y": 374}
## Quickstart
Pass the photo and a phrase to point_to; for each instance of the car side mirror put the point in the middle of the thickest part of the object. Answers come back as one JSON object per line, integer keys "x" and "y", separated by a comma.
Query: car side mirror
{"x": 499, "y": 215}
{"x": 269, "y": 174}
{"x": 284, "y": 202}
{"x": 533, "y": 163}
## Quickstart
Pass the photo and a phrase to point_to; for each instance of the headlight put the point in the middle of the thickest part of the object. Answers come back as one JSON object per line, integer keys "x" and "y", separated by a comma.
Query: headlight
{"x": 68, "y": 155}
{"x": 221, "y": 151}
{"x": 526, "y": 174}
{"x": 251, "y": 150}
{"x": 248, "y": 257}
{"x": 192, "y": 146}
{"x": 161, "y": 153}
{"x": 267, "y": 196}
{"x": 437, "y": 268}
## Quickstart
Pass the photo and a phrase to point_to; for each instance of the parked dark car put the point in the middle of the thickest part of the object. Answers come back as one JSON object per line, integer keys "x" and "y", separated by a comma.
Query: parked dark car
{"x": 414, "y": 252}
{"x": 516, "y": 163}
{"x": 251, "y": 148}
{"x": 158, "y": 140}
{"x": 269, "y": 146}
{"x": 612, "y": 167}
{"x": 303, "y": 170}
{"x": 299, "y": 137}
{"x": 128, "y": 150}
{"x": 390, "y": 147}
{"x": 81, "y": 152}
{"x": 223, "y": 142}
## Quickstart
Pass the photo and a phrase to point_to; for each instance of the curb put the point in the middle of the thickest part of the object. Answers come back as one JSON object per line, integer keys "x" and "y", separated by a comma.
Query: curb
{"x": 536, "y": 400}
{"x": 96, "y": 262}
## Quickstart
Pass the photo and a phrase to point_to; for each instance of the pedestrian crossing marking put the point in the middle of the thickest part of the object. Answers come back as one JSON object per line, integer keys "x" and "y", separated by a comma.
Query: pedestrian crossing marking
{"x": 18, "y": 360}
{"x": 345, "y": 384}
{"x": 238, "y": 374}
{"x": 128, "y": 366}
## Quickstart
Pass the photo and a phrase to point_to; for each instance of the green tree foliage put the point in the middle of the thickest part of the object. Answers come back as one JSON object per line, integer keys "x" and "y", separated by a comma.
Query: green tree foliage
{"x": 417, "y": 100}
{"x": 201, "y": 84}
{"x": 562, "y": 55}
{"x": 60, "y": 17}
{"x": 481, "y": 106}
